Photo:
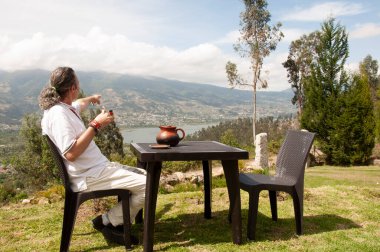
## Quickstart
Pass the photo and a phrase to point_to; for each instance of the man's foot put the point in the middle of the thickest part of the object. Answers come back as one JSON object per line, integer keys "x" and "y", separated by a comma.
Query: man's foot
{"x": 112, "y": 234}
{"x": 97, "y": 223}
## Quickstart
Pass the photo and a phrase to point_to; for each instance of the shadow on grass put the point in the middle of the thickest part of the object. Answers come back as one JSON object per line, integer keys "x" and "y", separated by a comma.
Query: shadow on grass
{"x": 105, "y": 247}
{"x": 191, "y": 229}
{"x": 187, "y": 230}
{"x": 285, "y": 228}
{"x": 137, "y": 230}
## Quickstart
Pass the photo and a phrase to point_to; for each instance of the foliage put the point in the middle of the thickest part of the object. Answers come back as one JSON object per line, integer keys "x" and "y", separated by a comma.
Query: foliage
{"x": 352, "y": 138}
{"x": 10, "y": 142}
{"x": 53, "y": 193}
{"x": 7, "y": 192}
{"x": 238, "y": 133}
{"x": 109, "y": 139}
{"x": 180, "y": 166}
{"x": 369, "y": 69}
{"x": 257, "y": 41}
{"x": 302, "y": 53}
{"x": 336, "y": 108}
{"x": 35, "y": 165}
{"x": 228, "y": 138}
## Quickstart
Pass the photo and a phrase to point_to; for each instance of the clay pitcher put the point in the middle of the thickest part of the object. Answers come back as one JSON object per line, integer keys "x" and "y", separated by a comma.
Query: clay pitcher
{"x": 169, "y": 135}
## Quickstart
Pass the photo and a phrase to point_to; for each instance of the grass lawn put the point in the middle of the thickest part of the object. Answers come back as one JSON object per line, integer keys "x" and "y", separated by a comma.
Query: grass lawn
{"x": 341, "y": 213}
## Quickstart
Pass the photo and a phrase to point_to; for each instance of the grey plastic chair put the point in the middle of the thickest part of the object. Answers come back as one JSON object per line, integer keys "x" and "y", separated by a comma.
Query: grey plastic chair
{"x": 73, "y": 200}
{"x": 289, "y": 177}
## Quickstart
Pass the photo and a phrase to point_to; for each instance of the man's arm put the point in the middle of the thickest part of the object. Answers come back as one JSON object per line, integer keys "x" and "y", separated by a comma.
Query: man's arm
{"x": 81, "y": 144}
{"x": 84, "y": 102}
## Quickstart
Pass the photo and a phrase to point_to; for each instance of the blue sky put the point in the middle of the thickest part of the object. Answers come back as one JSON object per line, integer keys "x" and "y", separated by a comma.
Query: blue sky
{"x": 183, "y": 40}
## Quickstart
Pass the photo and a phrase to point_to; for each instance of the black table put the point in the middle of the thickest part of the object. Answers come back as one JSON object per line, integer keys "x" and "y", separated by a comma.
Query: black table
{"x": 206, "y": 151}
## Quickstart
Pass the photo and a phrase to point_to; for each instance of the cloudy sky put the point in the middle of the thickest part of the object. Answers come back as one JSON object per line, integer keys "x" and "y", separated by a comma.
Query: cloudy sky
{"x": 175, "y": 39}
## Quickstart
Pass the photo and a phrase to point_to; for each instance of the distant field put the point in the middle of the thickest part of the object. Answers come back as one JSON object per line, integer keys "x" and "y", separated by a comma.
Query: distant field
{"x": 341, "y": 213}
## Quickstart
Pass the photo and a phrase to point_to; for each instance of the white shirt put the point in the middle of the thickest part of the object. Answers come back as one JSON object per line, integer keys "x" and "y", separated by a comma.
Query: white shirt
{"x": 63, "y": 125}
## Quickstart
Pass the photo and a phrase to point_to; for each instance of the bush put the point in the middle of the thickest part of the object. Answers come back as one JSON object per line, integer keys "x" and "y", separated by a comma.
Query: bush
{"x": 7, "y": 192}
{"x": 181, "y": 166}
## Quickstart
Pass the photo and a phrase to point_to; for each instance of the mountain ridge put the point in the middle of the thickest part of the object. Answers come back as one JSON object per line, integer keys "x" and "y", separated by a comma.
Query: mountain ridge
{"x": 132, "y": 96}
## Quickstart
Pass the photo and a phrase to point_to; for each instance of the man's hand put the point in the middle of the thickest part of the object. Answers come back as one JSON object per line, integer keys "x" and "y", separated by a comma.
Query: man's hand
{"x": 104, "y": 118}
{"x": 95, "y": 99}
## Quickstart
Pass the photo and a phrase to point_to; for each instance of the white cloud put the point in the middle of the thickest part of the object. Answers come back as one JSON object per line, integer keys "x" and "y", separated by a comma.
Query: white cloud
{"x": 293, "y": 34}
{"x": 276, "y": 73}
{"x": 365, "y": 31}
{"x": 352, "y": 67}
{"x": 290, "y": 34}
{"x": 230, "y": 38}
{"x": 320, "y": 12}
{"x": 98, "y": 50}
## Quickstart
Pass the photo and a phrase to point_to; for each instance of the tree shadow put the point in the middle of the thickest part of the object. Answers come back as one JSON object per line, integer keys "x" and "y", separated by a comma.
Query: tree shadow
{"x": 137, "y": 229}
{"x": 190, "y": 229}
{"x": 105, "y": 247}
{"x": 186, "y": 230}
{"x": 285, "y": 228}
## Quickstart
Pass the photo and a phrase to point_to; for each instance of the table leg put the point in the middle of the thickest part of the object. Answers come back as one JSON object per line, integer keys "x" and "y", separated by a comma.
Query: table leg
{"x": 207, "y": 183}
{"x": 152, "y": 181}
{"x": 139, "y": 216}
{"x": 231, "y": 172}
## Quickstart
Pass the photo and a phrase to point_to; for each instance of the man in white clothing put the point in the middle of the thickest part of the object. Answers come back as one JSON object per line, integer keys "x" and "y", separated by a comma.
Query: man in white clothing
{"x": 88, "y": 168}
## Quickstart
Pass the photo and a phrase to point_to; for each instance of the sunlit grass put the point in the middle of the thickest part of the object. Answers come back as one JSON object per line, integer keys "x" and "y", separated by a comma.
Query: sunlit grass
{"x": 341, "y": 213}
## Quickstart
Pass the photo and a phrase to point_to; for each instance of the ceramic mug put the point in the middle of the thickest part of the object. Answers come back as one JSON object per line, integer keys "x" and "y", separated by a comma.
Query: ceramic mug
{"x": 168, "y": 135}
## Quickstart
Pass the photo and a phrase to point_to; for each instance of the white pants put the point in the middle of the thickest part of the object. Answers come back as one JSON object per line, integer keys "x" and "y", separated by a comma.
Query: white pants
{"x": 118, "y": 176}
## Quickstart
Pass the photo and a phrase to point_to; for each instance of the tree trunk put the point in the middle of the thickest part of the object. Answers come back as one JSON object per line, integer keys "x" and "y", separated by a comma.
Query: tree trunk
{"x": 254, "y": 115}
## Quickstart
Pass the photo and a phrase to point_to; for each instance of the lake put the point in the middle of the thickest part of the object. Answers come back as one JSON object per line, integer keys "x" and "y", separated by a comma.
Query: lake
{"x": 148, "y": 134}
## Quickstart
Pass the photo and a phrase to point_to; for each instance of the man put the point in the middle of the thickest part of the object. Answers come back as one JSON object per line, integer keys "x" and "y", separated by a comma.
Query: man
{"x": 88, "y": 168}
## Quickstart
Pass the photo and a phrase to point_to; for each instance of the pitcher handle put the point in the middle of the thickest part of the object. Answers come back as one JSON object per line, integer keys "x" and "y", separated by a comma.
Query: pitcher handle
{"x": 183, "y": 133}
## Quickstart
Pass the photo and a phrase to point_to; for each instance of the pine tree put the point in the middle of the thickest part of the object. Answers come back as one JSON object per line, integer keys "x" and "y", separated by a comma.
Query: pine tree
{"x": 337, "y": 108}
{"x": 352, "y": 138}
{"x": 369, "y": 69}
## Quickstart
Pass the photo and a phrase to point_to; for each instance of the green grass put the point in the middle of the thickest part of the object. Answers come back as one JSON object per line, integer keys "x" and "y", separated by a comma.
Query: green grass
{"x": 341, "y": 213}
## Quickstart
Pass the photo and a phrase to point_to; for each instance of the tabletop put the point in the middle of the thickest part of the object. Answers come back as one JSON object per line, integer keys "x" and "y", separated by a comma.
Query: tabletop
{"x": 190, "y": 150}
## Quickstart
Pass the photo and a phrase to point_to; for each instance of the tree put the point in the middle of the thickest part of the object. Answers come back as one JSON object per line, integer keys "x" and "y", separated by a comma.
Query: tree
{"x": 369, "y": 69}
{"x": 337, "y": 108}
{"x": 35, "y": 165}
{"x": 109, "y": 139}
{"x": 229, "y": 138}
{"x": 302, "y": 53}
{"x": 257, "y": 40}
{"x": 352, "y": 138}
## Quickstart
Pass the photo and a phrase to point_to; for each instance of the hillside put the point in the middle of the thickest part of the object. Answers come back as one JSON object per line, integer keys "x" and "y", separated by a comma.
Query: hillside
{"x": 143, "y": 100}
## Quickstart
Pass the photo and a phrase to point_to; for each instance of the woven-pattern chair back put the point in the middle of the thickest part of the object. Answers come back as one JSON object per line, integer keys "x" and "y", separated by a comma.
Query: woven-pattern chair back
{"x": 292, "y": 157}
{"x": 61, "y": 165}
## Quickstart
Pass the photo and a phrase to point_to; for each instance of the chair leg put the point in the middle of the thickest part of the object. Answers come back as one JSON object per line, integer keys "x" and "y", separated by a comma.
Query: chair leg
{"x": 252, "y": 214}
{"x": 298, "y": 212}
{"x": 229, "y": 215}
{"x": 139, "y": 217}
{"x": 127, "y": 223}
{"x": 273, "y": 204}
{"x": 69, "y": 215}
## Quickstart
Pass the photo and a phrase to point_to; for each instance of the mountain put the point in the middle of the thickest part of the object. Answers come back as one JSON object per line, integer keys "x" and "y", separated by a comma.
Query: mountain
{"x": 138, "y": 100}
